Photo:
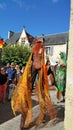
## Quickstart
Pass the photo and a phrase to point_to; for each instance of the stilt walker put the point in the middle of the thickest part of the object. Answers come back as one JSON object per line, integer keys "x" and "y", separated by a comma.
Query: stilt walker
{"x": 21, "y": 99}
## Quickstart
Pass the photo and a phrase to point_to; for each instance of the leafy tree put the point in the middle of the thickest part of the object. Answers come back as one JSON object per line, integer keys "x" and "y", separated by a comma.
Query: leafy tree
{"x": 16, "y": 53}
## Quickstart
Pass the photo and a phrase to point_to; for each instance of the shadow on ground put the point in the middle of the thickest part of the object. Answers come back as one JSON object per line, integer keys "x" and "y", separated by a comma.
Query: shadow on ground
{"x": 47, "y": 122}
{"x": 6, "y": 111}
{"x": 7, "y": 114}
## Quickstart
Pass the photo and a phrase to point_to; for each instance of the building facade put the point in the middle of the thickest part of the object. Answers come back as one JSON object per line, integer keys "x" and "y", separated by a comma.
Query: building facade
{"x": 54, "y": 44}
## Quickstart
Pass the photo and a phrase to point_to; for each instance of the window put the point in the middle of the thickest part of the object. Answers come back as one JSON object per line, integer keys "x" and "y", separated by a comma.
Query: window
{"x": 23, "y": 40}
{"x": 49, "y": 51}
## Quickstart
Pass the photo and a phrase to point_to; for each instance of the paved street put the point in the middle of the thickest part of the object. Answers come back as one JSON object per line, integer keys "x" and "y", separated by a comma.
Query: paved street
{"x": 6, "y": 111}
{"x": 13, "y": 124}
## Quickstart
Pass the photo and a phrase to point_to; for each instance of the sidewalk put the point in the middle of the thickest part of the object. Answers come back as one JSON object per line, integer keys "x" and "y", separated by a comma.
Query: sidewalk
{"x": 13, "y": 124}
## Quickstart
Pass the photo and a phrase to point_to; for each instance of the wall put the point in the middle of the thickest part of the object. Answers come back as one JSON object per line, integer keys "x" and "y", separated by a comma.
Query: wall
{"x": 56, "y": 51}
{"x": 68, "y": 122}
{"x": 24, "y": 37}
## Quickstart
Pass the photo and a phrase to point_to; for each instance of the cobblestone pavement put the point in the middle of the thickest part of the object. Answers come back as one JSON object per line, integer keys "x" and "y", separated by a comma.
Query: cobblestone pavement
{"x": 56, "y": 124}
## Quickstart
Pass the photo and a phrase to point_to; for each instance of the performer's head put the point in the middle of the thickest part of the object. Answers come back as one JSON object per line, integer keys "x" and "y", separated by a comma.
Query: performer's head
{"x": 38, "y": 47}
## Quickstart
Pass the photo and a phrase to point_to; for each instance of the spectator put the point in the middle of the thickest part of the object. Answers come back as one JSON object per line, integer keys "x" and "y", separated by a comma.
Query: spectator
{"x": 11, "y": 89}
{"x": 18, "y": 72}
{"x": 22, "y": 70}
{"x": 11, "y": 76}
{"x": 7, "y": 66}
{"x": 3, "y": 84}
{"x": 51, "y": 78}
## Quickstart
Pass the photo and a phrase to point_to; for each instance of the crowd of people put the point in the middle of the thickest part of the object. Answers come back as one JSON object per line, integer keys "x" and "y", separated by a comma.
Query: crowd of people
{"x": 9, "y": 77}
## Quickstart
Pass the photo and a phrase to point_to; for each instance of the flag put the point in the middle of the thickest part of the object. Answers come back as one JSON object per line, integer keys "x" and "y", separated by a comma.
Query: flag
{"x": 1, "y": 43}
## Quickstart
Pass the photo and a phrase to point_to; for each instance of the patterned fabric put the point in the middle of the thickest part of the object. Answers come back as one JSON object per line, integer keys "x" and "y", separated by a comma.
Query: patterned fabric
{"x": 21, "y": 99}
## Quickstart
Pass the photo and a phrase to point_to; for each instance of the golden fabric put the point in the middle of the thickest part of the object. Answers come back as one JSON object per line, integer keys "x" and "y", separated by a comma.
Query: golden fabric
{"x": 21, "y": 100}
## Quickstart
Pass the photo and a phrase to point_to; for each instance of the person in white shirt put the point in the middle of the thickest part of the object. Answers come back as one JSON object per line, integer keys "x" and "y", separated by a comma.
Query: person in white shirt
{"x": 11, "y": 89}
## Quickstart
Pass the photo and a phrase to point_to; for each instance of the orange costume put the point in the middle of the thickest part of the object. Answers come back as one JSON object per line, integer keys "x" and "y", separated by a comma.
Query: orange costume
{"x": 21, "y": 99}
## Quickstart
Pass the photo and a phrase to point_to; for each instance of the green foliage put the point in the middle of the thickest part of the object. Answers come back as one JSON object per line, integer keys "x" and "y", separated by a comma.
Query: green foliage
{"x": 16, "y": 53}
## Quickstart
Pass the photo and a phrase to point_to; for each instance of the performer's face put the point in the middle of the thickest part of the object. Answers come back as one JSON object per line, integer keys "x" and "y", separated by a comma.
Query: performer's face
{"x": 38, "y": 48}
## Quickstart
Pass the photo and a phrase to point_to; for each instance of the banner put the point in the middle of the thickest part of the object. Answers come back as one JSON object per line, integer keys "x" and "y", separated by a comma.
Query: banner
{"x": 1, "y": 43}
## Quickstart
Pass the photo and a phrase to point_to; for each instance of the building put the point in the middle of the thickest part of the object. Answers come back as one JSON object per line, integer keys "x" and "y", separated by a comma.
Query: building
{"x": 54, "y": 44}
{"x": 21, "y": 38}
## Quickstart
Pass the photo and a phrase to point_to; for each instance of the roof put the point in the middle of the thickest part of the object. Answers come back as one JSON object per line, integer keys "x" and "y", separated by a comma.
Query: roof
{"x": 14, "y": 38}
{"x": 30, "y": 38}
{"x": 55, "y": 39}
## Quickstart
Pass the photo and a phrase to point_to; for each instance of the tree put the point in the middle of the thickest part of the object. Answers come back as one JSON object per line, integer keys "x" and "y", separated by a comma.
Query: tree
{"x": 18, "y": 54}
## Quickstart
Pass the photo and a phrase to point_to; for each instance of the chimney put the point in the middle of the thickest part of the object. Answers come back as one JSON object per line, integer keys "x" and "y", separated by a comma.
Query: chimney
{"x": 10, "y": 34}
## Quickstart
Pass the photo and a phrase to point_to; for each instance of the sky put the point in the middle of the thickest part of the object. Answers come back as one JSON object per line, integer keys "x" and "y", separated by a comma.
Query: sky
{"x": 37, "y": 16}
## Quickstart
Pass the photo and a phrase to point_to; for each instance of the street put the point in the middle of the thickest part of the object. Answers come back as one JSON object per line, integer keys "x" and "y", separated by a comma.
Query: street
{"x": 6, "y": 111}
{"x": 13, "y": 124}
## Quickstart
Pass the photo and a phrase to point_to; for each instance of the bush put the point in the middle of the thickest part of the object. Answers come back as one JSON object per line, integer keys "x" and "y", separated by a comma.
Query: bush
{"x": 18, "y": 54}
